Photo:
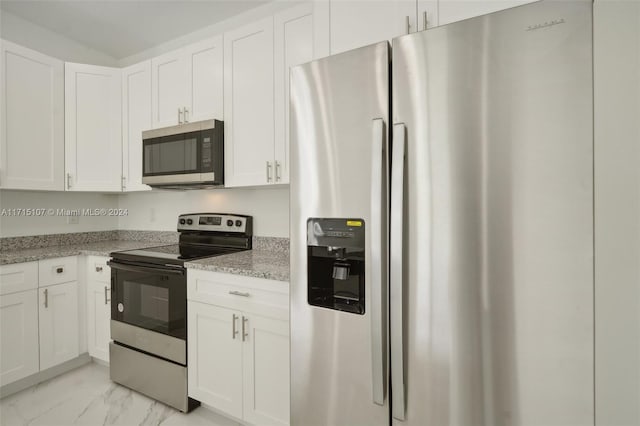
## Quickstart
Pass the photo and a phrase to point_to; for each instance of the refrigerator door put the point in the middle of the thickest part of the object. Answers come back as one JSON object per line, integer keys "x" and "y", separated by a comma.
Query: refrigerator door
{"x": 339, "y": 116}
{"x": 494, "y": 299}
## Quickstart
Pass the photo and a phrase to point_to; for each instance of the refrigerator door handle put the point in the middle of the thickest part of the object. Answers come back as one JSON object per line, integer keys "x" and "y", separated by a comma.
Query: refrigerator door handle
{"x": 396, "y": 285}
{"x": 378, "y": 281}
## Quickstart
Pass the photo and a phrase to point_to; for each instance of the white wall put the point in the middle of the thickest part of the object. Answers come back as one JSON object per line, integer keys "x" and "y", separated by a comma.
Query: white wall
{"x": 15, "y": 226}
{"x": 617, "y": 211}
{"x": 158, "y": 210}
{"x": 35, "y": 37}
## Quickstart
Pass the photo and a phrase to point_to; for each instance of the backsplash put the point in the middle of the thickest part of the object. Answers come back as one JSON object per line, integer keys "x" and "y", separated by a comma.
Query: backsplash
{"x": 275, "y": 244}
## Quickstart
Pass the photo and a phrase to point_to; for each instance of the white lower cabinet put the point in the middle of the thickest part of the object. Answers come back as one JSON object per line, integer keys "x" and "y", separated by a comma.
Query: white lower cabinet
{"x": 215, "y": 357}
{"x": 58, "y": 323}
{"x": 238, "y": 346}
{"x": 18, "y": 336}
{"x": 266, "y": 371}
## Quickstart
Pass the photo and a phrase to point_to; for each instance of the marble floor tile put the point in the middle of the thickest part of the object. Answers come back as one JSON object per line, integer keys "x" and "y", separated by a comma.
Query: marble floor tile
{"x": 86, "y": 396}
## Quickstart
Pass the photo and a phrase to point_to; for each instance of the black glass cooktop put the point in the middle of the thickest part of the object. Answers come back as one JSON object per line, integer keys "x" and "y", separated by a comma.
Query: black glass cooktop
{"x": 175, "y": 253}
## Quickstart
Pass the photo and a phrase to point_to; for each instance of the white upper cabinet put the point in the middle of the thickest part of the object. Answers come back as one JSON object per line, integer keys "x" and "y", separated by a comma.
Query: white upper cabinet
{"x": 249, "y": 104}
{"x": 204, "y": 80}
{"x": 136, "y": 117}
{"x": 93, "y": 139}
{"x": 32, "y": 119}
{"x": 168, "y": 90}
{"x": 457, "y": 10}
{"x": 294, "y": 45}
{"x": 187, "y": 84}
{"x": 258, "y": 58}
{"x": 357, "y": 23}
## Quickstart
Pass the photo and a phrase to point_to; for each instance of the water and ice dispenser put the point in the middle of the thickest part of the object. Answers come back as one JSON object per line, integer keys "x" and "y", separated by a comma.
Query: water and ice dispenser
{"x": 336, "y": 264}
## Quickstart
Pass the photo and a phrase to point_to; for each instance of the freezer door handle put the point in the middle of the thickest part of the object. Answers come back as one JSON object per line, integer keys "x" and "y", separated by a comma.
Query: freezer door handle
{"x": 396, "y": 285}
{"x": 378, "y": 281}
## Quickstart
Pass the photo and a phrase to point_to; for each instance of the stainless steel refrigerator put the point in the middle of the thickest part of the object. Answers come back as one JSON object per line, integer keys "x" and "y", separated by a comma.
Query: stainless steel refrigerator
{"x": 442, "y": 226}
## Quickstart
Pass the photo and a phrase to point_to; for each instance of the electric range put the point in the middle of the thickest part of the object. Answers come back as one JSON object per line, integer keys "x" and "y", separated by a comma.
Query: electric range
{"x": 149, "y": 305}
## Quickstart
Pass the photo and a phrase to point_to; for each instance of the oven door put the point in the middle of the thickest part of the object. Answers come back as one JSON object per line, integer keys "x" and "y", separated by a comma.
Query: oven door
{"x": 150, "y": 297}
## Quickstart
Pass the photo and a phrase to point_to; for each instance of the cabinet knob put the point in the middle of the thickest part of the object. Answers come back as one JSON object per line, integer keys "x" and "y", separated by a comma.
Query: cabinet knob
{"x": 59, "y": 270}
{"x": 98, "y": 268}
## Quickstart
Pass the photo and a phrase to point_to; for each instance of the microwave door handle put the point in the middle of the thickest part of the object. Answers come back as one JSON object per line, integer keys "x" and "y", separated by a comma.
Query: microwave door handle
{"x": 135, "y": 268}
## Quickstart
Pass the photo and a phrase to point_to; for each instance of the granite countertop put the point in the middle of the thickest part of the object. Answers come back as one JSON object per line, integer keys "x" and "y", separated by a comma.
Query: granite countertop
{"x": 98, "y": 248}
{"x": 269, "y": 258}
{"x": 258, "y": 263}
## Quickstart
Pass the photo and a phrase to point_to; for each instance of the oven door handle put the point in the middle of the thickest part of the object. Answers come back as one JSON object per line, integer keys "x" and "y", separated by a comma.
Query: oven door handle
{"x": 153, "y": 270}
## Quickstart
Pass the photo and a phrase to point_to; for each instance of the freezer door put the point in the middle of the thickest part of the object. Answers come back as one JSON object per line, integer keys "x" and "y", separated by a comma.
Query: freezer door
{"x": 496, "y": 300}
{"x": 339, "y": 116}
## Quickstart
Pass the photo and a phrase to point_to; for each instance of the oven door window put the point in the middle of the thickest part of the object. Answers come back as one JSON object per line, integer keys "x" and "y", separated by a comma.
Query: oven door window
{"x": 171, "y": 155}
{"x": 152, "y": 301}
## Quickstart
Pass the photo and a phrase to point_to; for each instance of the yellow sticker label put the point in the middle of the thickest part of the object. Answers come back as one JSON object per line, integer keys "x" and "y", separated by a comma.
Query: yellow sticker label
{"x": 354, "y": 223}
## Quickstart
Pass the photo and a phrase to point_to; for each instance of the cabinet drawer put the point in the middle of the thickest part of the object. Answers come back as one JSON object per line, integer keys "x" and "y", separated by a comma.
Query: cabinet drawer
{"x": 58, "y": 270}
{"x": 265, "y": 297}
{"x": 18, "y": 277}
{"x": 97, "y": 269}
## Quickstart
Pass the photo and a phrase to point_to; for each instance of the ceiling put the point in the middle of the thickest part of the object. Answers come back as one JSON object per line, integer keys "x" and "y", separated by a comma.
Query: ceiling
{"x": 121, "y": 28}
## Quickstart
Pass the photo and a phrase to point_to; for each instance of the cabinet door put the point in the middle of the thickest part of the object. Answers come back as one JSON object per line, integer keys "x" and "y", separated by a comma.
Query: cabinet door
{"x": 457, "y": 10}
{"x": 168, "y": 88}
{"x": 294, "y": 45}
{"x": 248, "y": 104}
{"x": 136, "y": 117}
{"x": 32, "y": 119}
{"x": 266, "y": 370}
{"x": 18, "y": 336}
{"x": 215, "y": 357}
{"x": 98, "y": 319}
{"x": 357, "y": 23}
{"x": 204, "y": 80}
{"x": 58, "y": 319}
{"x": 93, "y": 128}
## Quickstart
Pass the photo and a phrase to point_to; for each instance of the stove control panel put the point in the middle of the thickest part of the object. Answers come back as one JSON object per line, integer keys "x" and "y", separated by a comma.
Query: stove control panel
{"x": 218, "y": 222}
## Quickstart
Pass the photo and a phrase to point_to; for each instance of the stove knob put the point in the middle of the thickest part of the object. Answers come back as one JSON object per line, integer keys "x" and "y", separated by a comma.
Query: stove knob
{"x": 182, "y": 221}
{"x": 238, "y": 223}
{"x": 189, "y": 221}
{"x": 229, "y": 222}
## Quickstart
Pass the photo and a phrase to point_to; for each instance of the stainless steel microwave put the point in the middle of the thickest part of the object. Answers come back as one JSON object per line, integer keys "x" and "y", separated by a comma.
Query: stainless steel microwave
{"x": 186, "y": 156}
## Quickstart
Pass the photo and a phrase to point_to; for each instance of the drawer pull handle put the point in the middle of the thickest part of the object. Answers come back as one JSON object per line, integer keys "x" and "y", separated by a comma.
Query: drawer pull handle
{"x": 46, "y": 298}
{"x": 59, "y": 270}
{"x": 239, "y": 293}
{"x": 98, "y": 268}
{"x": 106, "y": 297}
